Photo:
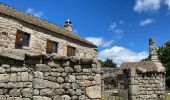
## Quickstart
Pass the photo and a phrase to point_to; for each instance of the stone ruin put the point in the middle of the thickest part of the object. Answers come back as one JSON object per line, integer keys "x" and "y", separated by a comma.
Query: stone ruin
{"x": 143, "y": 80}
{"x": 31, "y": 76}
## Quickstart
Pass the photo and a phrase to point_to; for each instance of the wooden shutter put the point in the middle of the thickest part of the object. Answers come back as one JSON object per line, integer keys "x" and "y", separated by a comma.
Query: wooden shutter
{"x": 49, "y": 49}
{"x": 69, "y": 51}
{"x": 19, "y": 36}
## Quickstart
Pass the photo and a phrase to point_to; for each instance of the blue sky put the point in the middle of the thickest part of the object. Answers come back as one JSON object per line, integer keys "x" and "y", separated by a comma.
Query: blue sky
{"x": 120, "y": 28}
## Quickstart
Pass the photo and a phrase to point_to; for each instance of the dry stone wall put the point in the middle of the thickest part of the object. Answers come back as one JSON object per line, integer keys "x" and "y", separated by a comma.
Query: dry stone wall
{"x": 49, "y": 77}
{"x": 146, "y": 81}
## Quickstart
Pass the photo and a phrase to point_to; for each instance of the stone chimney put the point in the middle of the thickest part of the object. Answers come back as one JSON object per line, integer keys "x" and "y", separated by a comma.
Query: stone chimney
{"x": 153, "y": 50}
{"x": 68, "y": 25}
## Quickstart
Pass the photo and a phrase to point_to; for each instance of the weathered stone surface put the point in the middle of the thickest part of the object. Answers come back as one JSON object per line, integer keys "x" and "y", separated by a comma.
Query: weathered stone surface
{"x": 2, "y": 97}
{"x": 26, "y": 92}
{"x": 14, "y": 93}
{"x": 72, "y": 78}
{"x": 82, "y": 97}
{"x": 59, "y": 91}
{"x": 46, "y": 92}
{"x": 40, "y": 83}
{"x": 60, "y": 80}
{"x": 4, "y": 78}
{"x": 93, "y": 92}
{"x": 41, "y": 98}
{"x": 65, "y": 97}
{"x": 42, "y": 68}
{"x": 57, "y": 97}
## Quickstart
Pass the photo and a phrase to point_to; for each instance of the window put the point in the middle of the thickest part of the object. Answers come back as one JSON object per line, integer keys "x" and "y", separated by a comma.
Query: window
{"x": 71, "y": 51}
{"x": 22, "y": 39}
{"x": 52, "y": 47}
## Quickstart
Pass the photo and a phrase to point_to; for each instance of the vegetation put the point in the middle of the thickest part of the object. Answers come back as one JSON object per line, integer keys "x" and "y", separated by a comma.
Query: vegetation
{"x": 108, "y": 63}
{"x": 164, "y": 57}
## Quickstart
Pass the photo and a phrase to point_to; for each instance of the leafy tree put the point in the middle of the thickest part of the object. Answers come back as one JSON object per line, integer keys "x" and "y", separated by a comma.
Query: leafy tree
{"x": 164, "y": 57}
{"x": 108, "y": 63}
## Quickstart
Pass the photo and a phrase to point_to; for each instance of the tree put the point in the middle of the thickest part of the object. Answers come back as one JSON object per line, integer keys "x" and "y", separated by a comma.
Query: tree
{"x": 164, "y": 57}
{"x": 108, "y": 63}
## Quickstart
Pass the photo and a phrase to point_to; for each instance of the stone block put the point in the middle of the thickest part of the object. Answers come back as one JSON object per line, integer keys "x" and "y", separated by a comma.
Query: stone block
{"x": 14, "y": 93}
{"x": 41, "y": 98}
{"x": 42, "y": 68}
{"x": 24, "y": 76}
{"x": 4, "y": 77}
{"x": 86, "y": 61}
{"x": 46, "y": 92}
{"x": 94, "y": 92}
{"x": 40, "y": 84}
{"x": 72, "y": 78}
{"x": 26, "y": 92}
{"x": 65, "y": 97}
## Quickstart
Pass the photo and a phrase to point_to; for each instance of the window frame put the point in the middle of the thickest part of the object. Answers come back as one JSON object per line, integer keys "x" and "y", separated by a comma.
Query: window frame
{"x": 21, "y": 41}
{"x": 51, "y": 47}
{"x": 72, "y": 51}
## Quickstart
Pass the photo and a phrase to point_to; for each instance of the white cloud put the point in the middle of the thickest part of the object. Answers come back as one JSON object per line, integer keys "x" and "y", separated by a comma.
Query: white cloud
{"x": 35, "y": 13}
{"x": 120, "y": 54}
{"x": 147, "y": 5}
{"x": 99, "y": 41}
{"x": 167, "y": 2}
{"x": 115, "y": 27}
{"x": 147, "y": 22}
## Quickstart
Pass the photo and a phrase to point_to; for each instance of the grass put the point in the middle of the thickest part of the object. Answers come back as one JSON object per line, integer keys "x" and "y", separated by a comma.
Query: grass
{"x": 167, "y": 95}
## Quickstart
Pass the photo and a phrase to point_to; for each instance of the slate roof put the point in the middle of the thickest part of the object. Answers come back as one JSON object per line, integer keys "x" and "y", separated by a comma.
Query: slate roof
{"x": 41, "y": 23}
{"x": 143, "y": 66}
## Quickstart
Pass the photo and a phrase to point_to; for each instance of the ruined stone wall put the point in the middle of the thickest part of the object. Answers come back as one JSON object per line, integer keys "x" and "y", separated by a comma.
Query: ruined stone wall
{"x": 49, "y": 77}
{"x": 146, "y": 85}
{"x": 39, "y": 37}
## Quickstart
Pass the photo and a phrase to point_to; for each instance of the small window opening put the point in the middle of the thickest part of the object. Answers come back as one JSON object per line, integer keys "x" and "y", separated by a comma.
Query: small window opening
{"x": 52, "y": 47}
{"x": 71, "y": 51}
{"x": 22, "y": 39}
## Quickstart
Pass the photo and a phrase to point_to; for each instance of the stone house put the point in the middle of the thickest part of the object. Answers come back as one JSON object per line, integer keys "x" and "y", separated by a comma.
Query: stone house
{"x": 33, "y": 35}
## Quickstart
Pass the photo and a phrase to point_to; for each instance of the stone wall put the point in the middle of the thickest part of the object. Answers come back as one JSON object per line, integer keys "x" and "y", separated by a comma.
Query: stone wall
{"x": 39, "y": 37}
{"x": 49, "y": 77}
{"x": 144, "y": 81}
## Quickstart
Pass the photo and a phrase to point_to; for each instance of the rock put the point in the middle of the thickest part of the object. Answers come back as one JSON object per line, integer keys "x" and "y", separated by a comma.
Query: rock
{"x": 40, "y": 83}
{"x": 74, "y": 59}
{"x": 4, "y": 77}
{"x": 59, "y": 91}
{"x": 71, "y": 92}
{"x": 41, "y": 98}
{"x": 82, "y": 97}
{"x": 78, "y": 92}
{"x": 13, "y": 77}
{"x": 68, "y": 69}
{"x": 2, "y": 70}
{"x": 36, "y": 92}
{"x": 77, "y": 68}
{"x": 66, "y": 86}
{"x": 3, "y": 97}
{"x": 74, "y": 97}
{"x": 42, "y": 68}
{"x": 60, "y": 80}
{"x": 26, "y": 92}
{"x": 14, "y": 93}
{"x": 24, "y": 76}
{"x": 84, "y": 83}
{"x": 98, "y": 79}
{"x": 38, "y": 74}
{"x": 46, "y": 92}
{"x": 72, "y": 78}
{"x": 65, "y": 97}
{"x": 57, "y": 97}
{"x": 93, "y": 92}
